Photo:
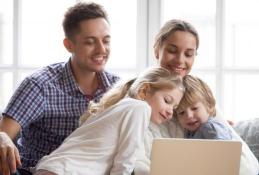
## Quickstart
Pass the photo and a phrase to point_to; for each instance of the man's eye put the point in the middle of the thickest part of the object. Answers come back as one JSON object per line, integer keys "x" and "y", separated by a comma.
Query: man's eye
{"x": 90, "y": 42}
{"x": 106, "y": 41}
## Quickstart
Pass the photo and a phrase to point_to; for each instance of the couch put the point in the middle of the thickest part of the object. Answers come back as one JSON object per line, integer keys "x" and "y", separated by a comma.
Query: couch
{"x": 249, "y": 132}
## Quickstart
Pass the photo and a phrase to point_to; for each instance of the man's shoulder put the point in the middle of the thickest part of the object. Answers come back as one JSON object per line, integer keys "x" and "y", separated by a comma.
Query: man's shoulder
{"x": 110, "y": 76}
{"x": 47, "y": 74}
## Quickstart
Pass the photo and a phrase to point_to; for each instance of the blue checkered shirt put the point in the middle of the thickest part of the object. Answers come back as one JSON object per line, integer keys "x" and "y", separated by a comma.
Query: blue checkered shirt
{"x": 48, "y": 105}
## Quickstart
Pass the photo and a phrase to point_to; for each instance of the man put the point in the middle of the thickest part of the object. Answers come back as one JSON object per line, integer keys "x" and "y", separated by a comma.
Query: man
{"x": 47, "y": 105}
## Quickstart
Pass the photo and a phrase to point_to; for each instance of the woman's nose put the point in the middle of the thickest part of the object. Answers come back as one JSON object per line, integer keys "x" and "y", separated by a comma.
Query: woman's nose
{"x": 180, "y": 58}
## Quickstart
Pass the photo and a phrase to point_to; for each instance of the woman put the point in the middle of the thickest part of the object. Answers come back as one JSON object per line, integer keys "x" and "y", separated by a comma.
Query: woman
{"x": 175, "y": 48}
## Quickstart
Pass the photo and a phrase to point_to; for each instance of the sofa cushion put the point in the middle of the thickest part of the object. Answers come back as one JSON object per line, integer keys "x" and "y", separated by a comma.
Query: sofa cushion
{"x": 249, "y": 132}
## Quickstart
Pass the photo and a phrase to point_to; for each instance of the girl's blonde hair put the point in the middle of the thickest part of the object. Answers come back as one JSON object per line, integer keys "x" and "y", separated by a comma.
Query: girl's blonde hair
{"x": 197, "y": 90}
{"x": 156, "y": 78}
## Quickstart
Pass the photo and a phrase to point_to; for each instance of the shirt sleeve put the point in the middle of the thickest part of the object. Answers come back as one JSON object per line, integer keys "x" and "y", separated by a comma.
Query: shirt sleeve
{"x": 215, "y": 130}
{"x": 134, "y": 125}
{"x": 26, "y": 105}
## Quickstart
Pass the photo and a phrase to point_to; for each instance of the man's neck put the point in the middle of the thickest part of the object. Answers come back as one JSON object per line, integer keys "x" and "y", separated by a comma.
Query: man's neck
{"x": 87, "y": 81}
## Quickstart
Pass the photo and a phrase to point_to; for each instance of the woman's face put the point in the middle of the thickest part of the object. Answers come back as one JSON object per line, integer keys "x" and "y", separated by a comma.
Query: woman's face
{"x": 177, "y": 52}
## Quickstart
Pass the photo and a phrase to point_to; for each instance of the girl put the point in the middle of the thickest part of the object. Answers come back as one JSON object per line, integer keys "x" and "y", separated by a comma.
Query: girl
{"x": 196, "y": 112}
{"x": 109, "y": 140}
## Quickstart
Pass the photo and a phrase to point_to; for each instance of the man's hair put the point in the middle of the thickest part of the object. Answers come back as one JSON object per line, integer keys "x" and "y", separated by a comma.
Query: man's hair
{"x": 80, "y": 12}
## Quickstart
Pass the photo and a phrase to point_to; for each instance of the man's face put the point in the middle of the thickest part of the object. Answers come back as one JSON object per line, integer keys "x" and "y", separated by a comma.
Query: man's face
{"x": 90, "y": 47}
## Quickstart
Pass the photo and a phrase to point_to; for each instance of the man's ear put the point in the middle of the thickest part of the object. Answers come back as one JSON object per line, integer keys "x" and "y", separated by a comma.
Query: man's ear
{"x": 143, "y": 91}
{"x": 69, "y": 45}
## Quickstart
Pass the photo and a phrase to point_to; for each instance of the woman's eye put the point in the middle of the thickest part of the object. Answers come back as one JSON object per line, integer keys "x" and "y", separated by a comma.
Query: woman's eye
{"x": 190, "y": 53}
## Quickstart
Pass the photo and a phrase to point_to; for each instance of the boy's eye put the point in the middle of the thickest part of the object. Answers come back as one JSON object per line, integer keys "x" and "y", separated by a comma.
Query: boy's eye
{"x": 194, "y": 108}
{"x": 180, "y": 113}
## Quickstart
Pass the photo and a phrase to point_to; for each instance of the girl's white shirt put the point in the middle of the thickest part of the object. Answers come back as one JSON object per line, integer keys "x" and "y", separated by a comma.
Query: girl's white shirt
{"x": 105, "y": 144}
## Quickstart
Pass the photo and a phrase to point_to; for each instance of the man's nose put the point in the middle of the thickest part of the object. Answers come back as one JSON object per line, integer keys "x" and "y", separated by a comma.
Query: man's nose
{"x": 101, "y": 47}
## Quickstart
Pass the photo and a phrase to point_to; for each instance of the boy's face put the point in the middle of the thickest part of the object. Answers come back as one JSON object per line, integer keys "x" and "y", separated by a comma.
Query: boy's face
{"x": 163, "y": 103}
{"x": 193, "y": 116}
{"x": 90, "y": 47}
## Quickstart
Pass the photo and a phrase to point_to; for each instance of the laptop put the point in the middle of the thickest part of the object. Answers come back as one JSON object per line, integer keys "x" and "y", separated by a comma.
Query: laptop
{"x": 195, "y": 157}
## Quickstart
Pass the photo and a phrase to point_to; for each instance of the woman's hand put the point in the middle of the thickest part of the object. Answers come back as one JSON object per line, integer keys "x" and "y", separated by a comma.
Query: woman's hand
{"x": 9, "y": 155}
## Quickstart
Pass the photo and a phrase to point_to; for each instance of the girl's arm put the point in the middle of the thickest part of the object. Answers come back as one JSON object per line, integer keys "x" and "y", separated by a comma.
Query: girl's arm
{"x": 133, "y": 127}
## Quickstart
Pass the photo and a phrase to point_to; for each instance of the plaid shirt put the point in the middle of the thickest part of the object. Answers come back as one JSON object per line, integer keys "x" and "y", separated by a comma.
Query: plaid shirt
{"x": 48, "y": 105}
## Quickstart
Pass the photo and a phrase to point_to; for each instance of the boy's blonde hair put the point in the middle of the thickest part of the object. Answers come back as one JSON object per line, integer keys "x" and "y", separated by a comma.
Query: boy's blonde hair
{"x": 156, "y": 78}
{"x": 197, "y": 90}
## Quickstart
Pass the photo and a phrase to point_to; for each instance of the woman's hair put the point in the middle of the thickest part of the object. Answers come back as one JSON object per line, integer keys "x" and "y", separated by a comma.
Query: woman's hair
{"x": 197, "y": 90}
{"x": 156, "y": 78}
{"x": 172, "y": 26}
{"x": 80, "y": 12}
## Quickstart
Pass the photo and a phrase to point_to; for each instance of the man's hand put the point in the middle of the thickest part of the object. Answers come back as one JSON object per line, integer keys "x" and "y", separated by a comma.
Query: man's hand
{"x": 9, "y": 155}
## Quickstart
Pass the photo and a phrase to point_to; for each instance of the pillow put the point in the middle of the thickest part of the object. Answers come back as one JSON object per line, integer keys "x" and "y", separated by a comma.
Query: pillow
{"x": 249, "y": 132}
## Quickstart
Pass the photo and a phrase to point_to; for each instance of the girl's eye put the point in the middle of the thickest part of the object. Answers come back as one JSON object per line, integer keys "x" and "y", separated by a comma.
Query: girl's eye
{"x": 168, "y": 100}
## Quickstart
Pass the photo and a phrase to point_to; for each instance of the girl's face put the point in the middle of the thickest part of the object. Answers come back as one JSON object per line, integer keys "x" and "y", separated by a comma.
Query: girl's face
{"x": 163, "y": 102}
{"x": 193, "y": 116}
{"x": 177, "y": 52}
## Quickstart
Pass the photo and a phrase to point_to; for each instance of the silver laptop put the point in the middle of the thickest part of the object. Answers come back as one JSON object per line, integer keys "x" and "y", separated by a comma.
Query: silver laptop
{"x": 195, "y": 157}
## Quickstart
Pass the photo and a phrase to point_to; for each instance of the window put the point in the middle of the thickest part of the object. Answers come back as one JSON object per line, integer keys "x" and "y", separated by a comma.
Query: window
{"x": 31, "y": 37}
{"x": 226, "y": 58}
{"x": 35, "y": 39}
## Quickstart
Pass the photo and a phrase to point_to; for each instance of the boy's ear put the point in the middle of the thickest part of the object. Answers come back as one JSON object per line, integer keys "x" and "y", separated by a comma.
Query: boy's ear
{"x": 143, "y": 91}
{"x": 68, "y": 45}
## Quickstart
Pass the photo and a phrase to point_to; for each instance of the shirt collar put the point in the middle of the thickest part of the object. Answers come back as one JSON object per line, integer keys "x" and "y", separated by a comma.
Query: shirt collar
{"x": 71, "y": 85}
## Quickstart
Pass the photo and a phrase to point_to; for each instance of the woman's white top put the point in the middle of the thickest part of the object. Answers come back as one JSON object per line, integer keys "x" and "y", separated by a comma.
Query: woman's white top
{"x": 105, "y": 144}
